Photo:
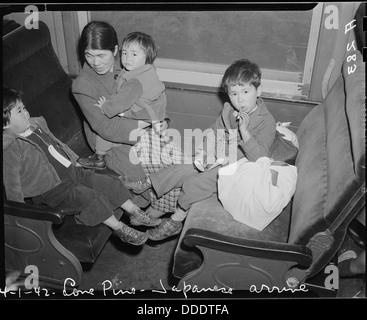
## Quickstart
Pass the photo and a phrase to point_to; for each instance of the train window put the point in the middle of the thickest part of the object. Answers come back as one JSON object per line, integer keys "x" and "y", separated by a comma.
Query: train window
{"x": 195, "y": 47}
{"x": 295, "y": 49}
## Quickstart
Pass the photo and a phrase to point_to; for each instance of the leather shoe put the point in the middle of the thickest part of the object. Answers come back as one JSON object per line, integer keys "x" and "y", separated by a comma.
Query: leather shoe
{"x": 136, "y": 185}
{"x": 140, "y": 218}
{"x": 95, "y": 162}
{"x": 130, "y": 235}
{"x": 166, "y": 229}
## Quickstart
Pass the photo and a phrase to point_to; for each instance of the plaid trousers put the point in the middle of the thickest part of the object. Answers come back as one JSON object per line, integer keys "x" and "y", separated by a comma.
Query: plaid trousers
{"x": 156, "y": 151}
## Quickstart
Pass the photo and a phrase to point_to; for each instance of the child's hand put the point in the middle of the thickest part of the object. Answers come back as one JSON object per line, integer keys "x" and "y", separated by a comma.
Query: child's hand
{"x": 101, "y": 102}
{"x": 243, "y": 120}
{"x": 200, "y": 160}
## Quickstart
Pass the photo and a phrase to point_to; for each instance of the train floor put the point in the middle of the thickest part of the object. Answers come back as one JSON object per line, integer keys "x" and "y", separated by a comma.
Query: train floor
{"x": 149, "y": 267}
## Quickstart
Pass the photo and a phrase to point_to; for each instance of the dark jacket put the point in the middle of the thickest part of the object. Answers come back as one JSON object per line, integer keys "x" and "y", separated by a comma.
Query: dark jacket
{"x": 26, "y": 169}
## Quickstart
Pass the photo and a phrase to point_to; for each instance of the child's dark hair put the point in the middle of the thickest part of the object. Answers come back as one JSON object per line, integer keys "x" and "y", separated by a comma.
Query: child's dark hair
{"x": 10, "y": 98}
{"x": 145, "y": 41}
{"x": 241, "y": 72}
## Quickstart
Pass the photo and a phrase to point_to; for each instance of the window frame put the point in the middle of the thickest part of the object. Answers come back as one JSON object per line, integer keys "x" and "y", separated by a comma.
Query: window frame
{"x": 276, "y": 83}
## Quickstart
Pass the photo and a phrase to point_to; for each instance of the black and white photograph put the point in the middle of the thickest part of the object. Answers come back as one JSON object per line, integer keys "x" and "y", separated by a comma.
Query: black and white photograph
{"x": 183, "y": 157}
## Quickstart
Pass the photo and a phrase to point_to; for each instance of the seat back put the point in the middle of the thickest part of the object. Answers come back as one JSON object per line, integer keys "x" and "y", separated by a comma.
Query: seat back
{"x": 331, "y": 166}
{"x": 31, "y": 65}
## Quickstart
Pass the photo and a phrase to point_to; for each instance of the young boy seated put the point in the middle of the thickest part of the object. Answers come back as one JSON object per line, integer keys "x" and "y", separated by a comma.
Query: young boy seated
{"x": 246, "y": 128}
{"x": 38, "y": 166}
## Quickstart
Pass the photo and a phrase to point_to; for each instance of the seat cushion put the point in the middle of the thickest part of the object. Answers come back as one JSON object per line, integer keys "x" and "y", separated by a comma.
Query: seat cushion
{"x": 210, "y": 215}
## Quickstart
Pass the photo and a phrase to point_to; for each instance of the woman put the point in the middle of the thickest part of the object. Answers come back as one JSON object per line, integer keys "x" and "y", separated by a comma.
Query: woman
{"x": 98, "y": 46}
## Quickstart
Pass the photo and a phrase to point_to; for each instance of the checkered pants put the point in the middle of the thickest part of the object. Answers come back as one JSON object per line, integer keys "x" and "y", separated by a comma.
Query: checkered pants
{"x": 156, "y": 151}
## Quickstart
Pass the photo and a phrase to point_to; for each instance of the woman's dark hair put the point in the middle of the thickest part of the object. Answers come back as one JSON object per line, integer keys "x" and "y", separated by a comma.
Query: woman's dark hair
{"x": 10, "y": 98}
{"x": 97, "y": 35}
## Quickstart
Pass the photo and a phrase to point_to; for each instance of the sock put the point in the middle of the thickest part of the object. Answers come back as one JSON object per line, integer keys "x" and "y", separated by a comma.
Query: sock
{"x": 179, "y": 215}
{"x": 116, "y": 226}
{"x": 129, "y": 206}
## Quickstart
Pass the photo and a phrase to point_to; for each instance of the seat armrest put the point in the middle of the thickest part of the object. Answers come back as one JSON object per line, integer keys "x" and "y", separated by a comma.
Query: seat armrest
{"x": 262, "y": 249}
{"x": 36, "y": 212}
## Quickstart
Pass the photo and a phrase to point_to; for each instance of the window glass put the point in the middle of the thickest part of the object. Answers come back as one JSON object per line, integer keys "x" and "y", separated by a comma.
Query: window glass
{"x": 274, "y": 39}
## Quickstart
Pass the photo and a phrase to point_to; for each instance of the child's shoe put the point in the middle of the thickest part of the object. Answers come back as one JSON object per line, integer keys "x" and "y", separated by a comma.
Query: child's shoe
{"x": 138, "y": 217}
{"x": 167, "y": 228}
{"x": 130, "y": 235}
{"x": 96, "y": 162}
{"x": 136, "y": 185}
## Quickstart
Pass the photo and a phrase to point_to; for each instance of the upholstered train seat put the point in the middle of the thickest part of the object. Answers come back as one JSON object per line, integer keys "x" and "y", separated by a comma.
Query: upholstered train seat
{"x": 214, "y": 249}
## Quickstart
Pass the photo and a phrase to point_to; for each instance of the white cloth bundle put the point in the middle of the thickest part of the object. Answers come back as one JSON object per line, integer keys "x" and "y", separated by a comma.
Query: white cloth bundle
{"x": 282, "y": 127}
{"x": 246, "y": 191}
